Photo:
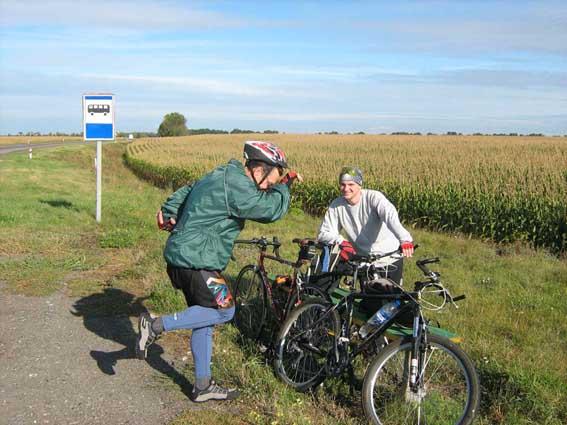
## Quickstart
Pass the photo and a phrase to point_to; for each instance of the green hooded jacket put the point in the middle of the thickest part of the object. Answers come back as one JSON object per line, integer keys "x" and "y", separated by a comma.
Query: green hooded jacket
{"x": 210, "y": 215}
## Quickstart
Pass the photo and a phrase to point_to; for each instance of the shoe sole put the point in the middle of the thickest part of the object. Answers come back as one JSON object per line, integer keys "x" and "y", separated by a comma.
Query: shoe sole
{"x": 143, "y": 335}
{"x": 211, "y": 397}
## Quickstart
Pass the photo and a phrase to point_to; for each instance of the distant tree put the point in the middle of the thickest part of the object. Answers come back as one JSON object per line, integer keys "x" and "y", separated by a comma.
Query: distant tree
{"x": 270, "y": 132}
{"x": 451, "y": 133}
{"x": 173, "y": 124}
{"x": 206, "y": 131}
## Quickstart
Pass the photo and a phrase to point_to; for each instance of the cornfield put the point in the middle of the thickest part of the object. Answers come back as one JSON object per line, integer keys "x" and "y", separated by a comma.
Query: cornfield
{"x": 499, "y": 188}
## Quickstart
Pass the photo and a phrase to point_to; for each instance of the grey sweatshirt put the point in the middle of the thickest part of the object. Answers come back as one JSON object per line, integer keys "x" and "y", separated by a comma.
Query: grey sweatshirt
{"x": 372, "y": 225}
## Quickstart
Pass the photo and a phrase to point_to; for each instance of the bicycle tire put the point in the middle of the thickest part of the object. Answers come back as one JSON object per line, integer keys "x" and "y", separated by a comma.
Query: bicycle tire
{"x": 302, "y": 349}
{"x": 250, "y": 301}
{"x": 388, "y": 400}
{"x": 310, "y": 293}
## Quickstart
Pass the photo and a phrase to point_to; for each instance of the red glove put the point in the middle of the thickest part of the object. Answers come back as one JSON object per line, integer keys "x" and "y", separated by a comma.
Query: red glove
{"x": 347, "y": 250}
{"x": 289, "y": 178}
{"x": 407, "y": 248}
{"x": 165, "y": 225}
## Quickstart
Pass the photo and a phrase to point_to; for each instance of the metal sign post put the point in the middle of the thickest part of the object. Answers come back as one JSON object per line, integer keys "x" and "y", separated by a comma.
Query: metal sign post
{"x": 98, "y": 179}
{"x": 98, "y": 125}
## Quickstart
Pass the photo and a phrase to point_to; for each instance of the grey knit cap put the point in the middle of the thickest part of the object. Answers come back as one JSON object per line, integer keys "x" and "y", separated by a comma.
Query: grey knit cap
{"x": 351, "y": 174}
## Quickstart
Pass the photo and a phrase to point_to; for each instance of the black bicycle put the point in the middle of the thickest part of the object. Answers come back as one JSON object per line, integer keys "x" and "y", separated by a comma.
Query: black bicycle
{"x": 419, "y": 377}
{"x": 262, "y": 298}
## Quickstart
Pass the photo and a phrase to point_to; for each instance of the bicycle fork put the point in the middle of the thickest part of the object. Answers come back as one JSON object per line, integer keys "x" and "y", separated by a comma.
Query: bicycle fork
{"x": 415, "y": 389}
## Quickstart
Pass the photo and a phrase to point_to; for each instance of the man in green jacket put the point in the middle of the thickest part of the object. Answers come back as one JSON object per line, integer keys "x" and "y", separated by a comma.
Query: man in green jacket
{"x": 204, "y": 220}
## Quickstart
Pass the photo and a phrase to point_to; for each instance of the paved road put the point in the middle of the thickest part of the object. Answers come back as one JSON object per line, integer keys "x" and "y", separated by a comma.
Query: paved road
{"x": 25, "y": 146}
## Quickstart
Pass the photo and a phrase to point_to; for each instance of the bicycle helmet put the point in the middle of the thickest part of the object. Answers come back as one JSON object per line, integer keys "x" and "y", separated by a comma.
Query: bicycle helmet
{"x": 265, "y": 152}
{"x": 350, "y": 174}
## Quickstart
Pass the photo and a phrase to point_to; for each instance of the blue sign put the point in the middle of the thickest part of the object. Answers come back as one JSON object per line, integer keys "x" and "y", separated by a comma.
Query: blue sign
{"x": 98, "y": 116}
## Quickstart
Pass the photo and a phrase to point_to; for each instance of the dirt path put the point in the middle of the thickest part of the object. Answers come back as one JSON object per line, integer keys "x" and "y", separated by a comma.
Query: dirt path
{"x": 61, "y": 362}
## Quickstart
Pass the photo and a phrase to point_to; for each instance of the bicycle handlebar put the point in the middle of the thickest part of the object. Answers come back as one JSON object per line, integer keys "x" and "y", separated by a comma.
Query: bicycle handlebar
{"x": 308, "y": 242}
{"x": 373, "y": 257}
{"x": 434, "y": 279}
{"x": 262, "y": 243}
{"x": 422, "y": 264}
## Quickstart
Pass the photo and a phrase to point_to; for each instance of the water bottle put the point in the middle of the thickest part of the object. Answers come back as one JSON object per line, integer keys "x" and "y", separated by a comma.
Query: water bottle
{"x": 381, "y": 316}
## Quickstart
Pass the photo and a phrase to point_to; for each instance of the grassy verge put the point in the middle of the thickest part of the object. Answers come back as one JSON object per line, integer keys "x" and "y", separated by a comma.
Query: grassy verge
{"x": 512, "y": 321}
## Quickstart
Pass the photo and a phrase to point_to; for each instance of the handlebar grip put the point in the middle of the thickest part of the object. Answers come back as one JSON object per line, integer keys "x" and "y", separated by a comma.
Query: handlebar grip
{"x": 427, "y": 261}
{"x": 459, "y": 298}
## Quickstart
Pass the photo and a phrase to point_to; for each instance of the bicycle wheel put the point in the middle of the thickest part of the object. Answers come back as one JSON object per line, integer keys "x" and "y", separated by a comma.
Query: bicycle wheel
{"x": 309, "y": 293}
{"x": 450, "y": 392}
{"x": 250, "y": 301}
{"x": 303, "y": 344}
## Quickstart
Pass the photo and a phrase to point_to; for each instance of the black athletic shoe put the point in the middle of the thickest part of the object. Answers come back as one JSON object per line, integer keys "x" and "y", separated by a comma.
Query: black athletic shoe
{"x": 214, "y": 392}
{"x": 146, "y": 335}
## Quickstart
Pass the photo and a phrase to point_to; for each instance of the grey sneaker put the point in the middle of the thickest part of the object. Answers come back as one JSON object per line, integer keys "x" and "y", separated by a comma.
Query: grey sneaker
{"x": 146, "y": 335}
{"x": 214, "y": 392}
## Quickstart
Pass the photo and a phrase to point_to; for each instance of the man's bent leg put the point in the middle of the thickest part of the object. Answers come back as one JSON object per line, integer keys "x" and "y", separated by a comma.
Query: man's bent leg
{"x": 196, "y": 317}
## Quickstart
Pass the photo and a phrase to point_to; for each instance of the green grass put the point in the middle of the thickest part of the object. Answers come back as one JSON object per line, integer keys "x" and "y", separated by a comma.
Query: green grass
{"x": 513, "y": 320}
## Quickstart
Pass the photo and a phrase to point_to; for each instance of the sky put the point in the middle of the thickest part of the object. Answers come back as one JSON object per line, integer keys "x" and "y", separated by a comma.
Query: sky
{"x": 291, "y": 66}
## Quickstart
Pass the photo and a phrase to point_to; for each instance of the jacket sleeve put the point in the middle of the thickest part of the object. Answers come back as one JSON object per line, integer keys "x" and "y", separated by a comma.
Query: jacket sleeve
{"x": 329, "y": 231}
{"x": 175, "y": 203}
{"x": 263, "y": 206}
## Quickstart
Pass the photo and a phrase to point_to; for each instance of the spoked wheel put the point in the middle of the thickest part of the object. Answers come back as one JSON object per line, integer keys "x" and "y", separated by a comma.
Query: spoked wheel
{"x": 250, "y": 300}
{"x": 304, "y": 343}
{"x": 448, "y": 394}
{"x": 360, "y": 364}
{"x": 310, "y": 293}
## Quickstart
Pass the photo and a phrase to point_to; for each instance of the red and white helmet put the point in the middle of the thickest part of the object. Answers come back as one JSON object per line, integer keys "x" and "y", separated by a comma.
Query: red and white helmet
{"x": 265, "y": 152}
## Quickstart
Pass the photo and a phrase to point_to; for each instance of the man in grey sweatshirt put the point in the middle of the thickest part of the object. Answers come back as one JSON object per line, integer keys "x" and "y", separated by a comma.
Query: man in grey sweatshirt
{"x": 370, "y": 222}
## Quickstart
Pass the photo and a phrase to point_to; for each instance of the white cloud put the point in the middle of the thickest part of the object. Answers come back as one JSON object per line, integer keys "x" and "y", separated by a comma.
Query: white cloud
{"x": 222, "y": 87}
{"x": 141, "y": 15}
{"x": 494, "y": 26}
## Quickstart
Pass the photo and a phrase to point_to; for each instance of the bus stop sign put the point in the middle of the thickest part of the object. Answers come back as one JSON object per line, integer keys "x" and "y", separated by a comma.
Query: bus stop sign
{"x": 98, "y": 116}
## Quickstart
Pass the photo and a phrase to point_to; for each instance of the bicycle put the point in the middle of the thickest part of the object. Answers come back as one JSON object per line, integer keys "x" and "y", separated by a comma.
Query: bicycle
{"x": 256, "y": 294}
{"x": 422, "y": 377}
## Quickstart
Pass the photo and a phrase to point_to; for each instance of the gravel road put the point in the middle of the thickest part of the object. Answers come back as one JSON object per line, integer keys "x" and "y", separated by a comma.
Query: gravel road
{"x": 60, "y": 363}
